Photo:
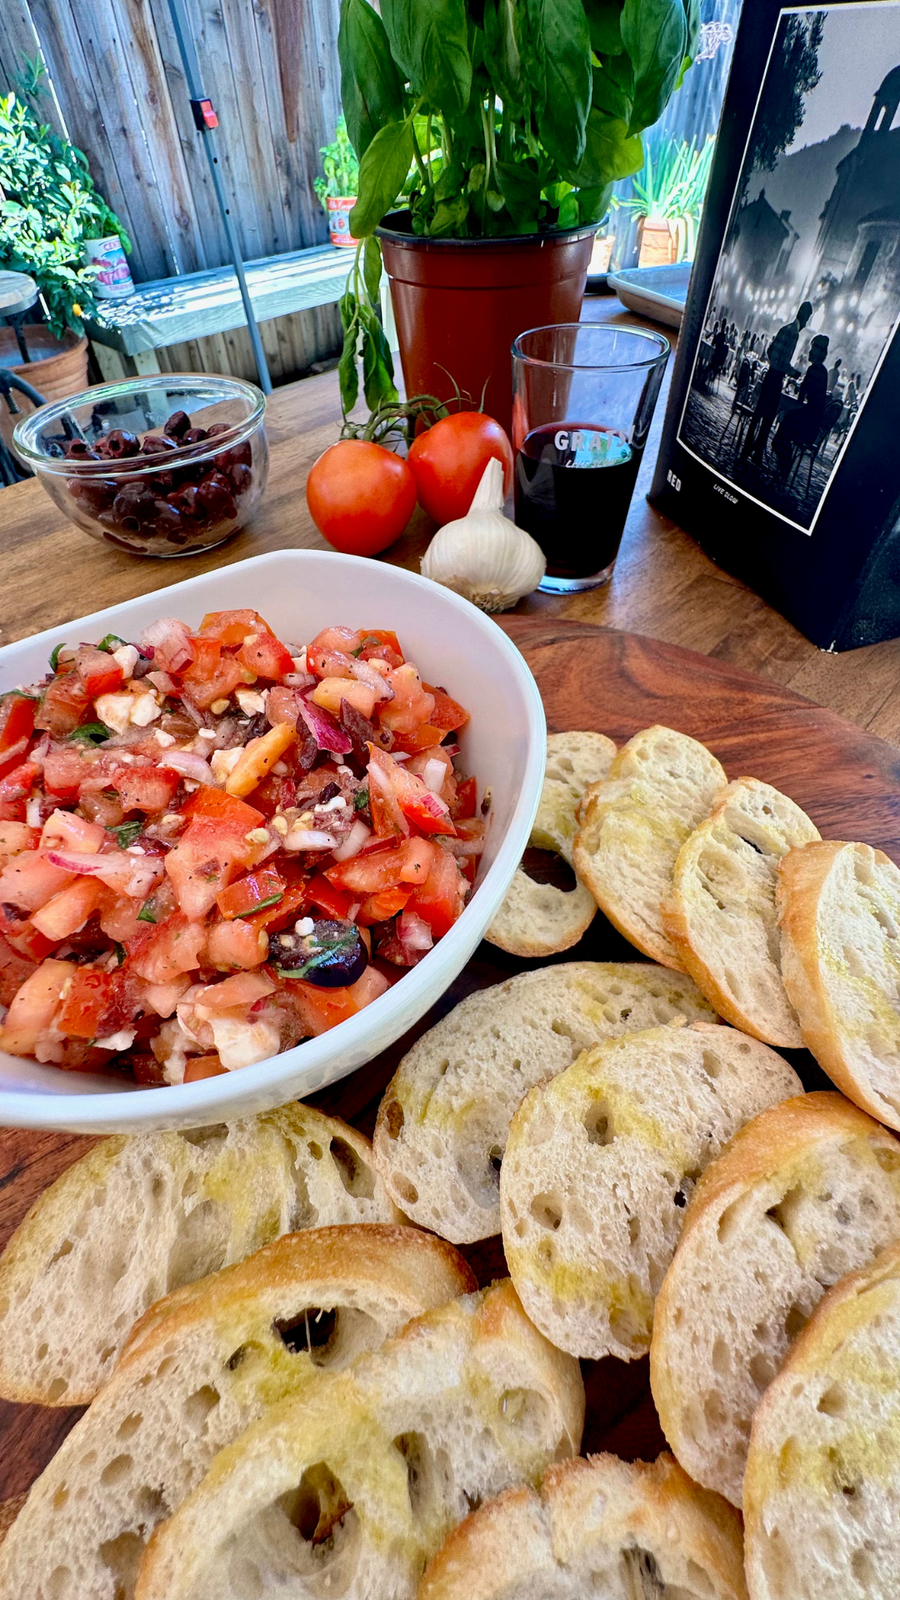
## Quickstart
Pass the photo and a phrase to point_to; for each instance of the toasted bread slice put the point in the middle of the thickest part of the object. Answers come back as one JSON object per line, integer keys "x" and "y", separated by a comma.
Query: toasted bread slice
{"x": 807, "y": 1191}
{"x": 351, "y": 1487}
{"x": 194, "y": 1378}
{"x": 600, "y": 1164}
{"x": 442, "y": 1124}
{"x": 839, "y": 907}
{"x": 660, "y": 786}
{"x": 600, "y": 1529}
{"x": 822, "y": 1486}
{"x": 721, "y": 917}
{"x": 137, "y": 1217}
{"x": 539, "y": 919}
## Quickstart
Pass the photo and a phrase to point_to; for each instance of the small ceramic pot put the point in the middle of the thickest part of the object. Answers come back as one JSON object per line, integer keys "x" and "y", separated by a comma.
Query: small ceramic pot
{"x": 113, "y": 280}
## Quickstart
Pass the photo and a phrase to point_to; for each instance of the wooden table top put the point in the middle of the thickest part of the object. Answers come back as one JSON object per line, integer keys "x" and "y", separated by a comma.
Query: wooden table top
{"x": 663, "y": 585}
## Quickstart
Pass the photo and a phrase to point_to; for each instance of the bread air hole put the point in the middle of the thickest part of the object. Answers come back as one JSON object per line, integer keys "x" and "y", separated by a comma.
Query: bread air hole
{"x": 200, "y": 1244}
{"x": 547, "y": 1210}
{"x": 122, "y": 1558}
{"x": 321, "y": 1511}
{"x": 407, "y": 1191}
{"x": 598, "y": 1123}
{"x": 356, "y": 1176}
{"x": 421, "y": 1471}
{"x": 394, "y": 1118}
{"x": 833, "y": 1403}
{"x": 215, "y": 1134}
{"x": 198, "y": 1406}
{"x": 864, "y": 1570}
{"x": 526, "y": 1411}
{"x": 330, "y": 1338}
{"x": 548, "y": 867}
{"x": 641, "y": 1575}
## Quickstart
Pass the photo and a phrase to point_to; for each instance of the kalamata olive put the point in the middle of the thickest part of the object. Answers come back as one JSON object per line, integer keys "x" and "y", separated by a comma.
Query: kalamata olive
{"x": 241, "y": 477}
{"x": 332, "y": 955}
{"x": 240, "y": 455}
{"x": 127, "y": 500}
{"x": 121, "y": 443}
{"x": 166, "y": 518}
{"x": 156, "y": 445}
{"x": 96, "y": 495}
{"x": 145, "y": 506}
{"x": 215, "y": 428}
{"x": 185, "y": 501}
{"x": 80, "y": 450}
{"x": 216, "y": 497}
{"x": 178, "y": 423}
{"x": 194, "y": 436}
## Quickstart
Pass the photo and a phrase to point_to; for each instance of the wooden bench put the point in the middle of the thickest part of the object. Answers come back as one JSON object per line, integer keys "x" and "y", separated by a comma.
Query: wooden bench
{"x": 173, "y": 310}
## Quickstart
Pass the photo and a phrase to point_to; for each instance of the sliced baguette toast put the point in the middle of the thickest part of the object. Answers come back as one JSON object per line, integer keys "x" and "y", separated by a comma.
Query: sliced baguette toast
{"x": 443, "y": 1122}
{"x": 633, "y": 824}
{"x": 600, "y": 1529}
{"x": 822, "y": 1486}
{"x": 839, "y": 906}
{"x": 137, "y": 1217}
{"x": 807, "y": 1191}
{"x": 721, "y": 916}
{"x": 539, "y": 919}
{"x": 193, "y": 1379}
{"x": 600, "y": 1164}
{"x": 349, "y": 1489}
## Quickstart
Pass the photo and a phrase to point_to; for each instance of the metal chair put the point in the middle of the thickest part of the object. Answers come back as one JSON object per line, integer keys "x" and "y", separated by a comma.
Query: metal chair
{"x": 11, "y": 471}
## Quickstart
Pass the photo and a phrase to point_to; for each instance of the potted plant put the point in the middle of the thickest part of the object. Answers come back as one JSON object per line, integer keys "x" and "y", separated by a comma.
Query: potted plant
{"x": 668, "y": 196}
{"x": 49, "y": 207}
{"x": 503, "y": 124}
{"x": 337, "y": 190}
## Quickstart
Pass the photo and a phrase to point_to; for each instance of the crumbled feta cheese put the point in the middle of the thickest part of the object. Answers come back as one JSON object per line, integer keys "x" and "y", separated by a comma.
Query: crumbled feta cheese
{"x": 145, "y": 708}
{"x": 304, "y": 927}
{"x": 222, "y": 761}
{"x": 281, "y": 769}
{"x": 190, "y": 785}
{"x": 123, "y": 1040}
{"x": 136, "y": 850}
{"x": 33, "y": 811}
{"x": 299, "y": 661}
{"x": 251, "y": 701}
{"x": 336, "y": 803}
{"x": 280, "y": 824}
{"x": 165, "y": 739}
{"x": 218, "y": 706}
{"x": 240, "y": 1044}
{"x": 114, "y": 710}
{"x": 204, "y": 733}
{"x": 126, "y": 657}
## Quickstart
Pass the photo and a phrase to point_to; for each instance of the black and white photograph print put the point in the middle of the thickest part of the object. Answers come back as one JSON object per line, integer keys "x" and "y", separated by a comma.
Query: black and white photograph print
{"x": 806, "y": 294}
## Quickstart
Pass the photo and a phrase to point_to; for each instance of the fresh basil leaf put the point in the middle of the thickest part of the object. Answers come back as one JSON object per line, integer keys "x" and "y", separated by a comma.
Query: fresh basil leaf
{"x": 611, "y": 152}
{"x": 91, "y": 733}
{"x": 272, "y": 900}
{"x": 54, "y": 656}
{"x": 593, "y": 204}
{"x": 605, "y": 24}
{"x": 569, "y": 214}
{"x": 361, "y": 799}
{"x": 430, "y": 41}
{"x": 19, "y": 694}
{"x": 348, "y": 377}
{"x": 147, "y": 913}
{"x": 559, "y": 68}
{"x": 382, "y": 174}
{"x": 111, "y": 642}
{"x": 613, "y": 88}
{"x": 127, "y": 832}
{"x": 120, "y": 952}
{"x": 372, "y": 269}
{"x": 503, "y": 57}
{"x": 449, "y": 216}
{"x": 655, "y": 34}
{"x": 520, "y": 185}
{"x": 378, "y": 365}
{"x": 371, "y": 90}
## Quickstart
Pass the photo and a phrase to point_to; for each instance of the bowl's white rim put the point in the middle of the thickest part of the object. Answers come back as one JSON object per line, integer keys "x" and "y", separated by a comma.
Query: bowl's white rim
{"x": 38, "y": 1109}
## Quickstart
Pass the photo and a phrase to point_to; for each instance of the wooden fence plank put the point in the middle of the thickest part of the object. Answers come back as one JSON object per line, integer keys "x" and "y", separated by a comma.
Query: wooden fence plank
{"x": 18, "y": 39}
{"x": 248, "y": 206}
{"x": 213, "y": 242}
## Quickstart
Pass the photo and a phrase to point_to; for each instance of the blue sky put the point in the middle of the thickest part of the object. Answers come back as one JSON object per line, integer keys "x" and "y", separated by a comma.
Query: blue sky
{"x": 860, "y": 45}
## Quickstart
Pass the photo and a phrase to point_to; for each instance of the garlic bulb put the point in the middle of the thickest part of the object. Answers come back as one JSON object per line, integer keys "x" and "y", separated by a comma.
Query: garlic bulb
{"x": 483, "y": 555}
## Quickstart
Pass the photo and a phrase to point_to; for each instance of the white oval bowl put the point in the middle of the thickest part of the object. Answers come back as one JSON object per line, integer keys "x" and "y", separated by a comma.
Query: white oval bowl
{"x": 453, "y": 644}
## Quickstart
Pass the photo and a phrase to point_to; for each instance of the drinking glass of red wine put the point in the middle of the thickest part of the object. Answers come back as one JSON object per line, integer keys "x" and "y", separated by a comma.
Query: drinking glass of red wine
{"x": 583, "y": 400}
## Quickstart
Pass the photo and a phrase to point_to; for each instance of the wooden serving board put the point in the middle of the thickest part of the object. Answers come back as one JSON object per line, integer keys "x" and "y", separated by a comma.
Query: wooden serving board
{"x": 615, "y": 683}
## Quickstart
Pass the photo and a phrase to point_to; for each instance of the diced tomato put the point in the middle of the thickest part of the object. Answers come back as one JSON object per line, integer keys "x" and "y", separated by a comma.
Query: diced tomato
{"x": 384, "y": 806}
{"x": 331, "y": 691}
{"x": 418, "y": 860}
{"x": 232, "y": 627}
{"x": 14, "y": 969}
{"x": 16, "y": 837}
{"x": 64, "y": 706}
{"x": 329, "y": 898}
{"x": 447, "y": 714}
{"x": 384, "y": 646}
{"x": 70, "y": 909}
{"x": 162, "y": 998}
{"x": 145, "y": 788}
{"x": 466, "y": 801}
{"x": 86, "y": 1003}
{"x": 227, "y": 809}
{"x": 29, "y": 880}
{"x": 17, "y": 713}
{"x": 212, "y": 675}
{"x": 120, "y": 918}
{"x": 34, "y": 1007}
{"x": 411, "y": 704}
{"x": 97, "y": 670}
{"x": 214, "y": 844}
{"x": 174, "y": 946}
{"x": 343, "y": 641}
{"x": 283, "y": 705}
{"x": 253, "y": 893}
{"x": 197, "y": 1067}
{"x": 243, "y": 989}
{"x": 15, "y": 788}
{"x": 292, "y": 904}
{"x": 382, "y": 906}
{"x": 65, "y": 830}
{"x": 392, "y": 788}
{"x": 424, "y": 737}
{"x": 266, "y": 656}
{"x": 368, "y": 872}
{"x": 21, "y": 934}
{"x": 328, "y": 663}
{"x": 66, "y": 768}
{"x": 236, "y": 944}
{"x": 440, "y": 899}
{"x": 274, "y": 794}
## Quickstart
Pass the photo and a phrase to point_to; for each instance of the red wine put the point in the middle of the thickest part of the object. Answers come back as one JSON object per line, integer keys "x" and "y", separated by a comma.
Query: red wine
{"x": 574, "y": 483}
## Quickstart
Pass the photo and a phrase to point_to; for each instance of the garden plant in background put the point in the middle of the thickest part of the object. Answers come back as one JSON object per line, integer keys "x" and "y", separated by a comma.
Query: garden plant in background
{"x": 496, "y": 118}
{"x": 49, "y": 206}
{"x": 667, "y": 194}
{"x": 337, "y": 189}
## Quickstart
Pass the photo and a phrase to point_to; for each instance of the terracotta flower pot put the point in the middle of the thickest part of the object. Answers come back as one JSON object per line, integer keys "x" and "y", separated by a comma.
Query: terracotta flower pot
{"x": 339, "y": 208}
{"x": 58, "y": 367}
{"x": 657, "y": 245}
{"x": 460, "y": 303}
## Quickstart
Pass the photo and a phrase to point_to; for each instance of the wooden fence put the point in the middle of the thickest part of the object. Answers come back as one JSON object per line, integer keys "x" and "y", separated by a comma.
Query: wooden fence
{"x": 117, "y": 89}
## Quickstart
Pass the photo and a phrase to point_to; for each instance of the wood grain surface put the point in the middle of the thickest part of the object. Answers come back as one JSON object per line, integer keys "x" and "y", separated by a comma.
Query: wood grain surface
{"x": 615, "y": 683}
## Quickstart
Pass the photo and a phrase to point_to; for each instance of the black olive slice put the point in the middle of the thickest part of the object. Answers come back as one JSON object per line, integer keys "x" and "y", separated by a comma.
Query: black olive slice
{"x": 333, "y": 955}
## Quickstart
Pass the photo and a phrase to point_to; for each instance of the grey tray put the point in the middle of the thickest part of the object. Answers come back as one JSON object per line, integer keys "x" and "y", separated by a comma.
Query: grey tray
{"x": 657, "y": 292}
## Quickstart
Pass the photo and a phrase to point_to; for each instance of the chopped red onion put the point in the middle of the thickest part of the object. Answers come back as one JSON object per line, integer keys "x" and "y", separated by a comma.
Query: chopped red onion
{"x": 131, "y": 875}
{"x": 300, "y": 680}
{"x": 189, "y": 765}
{"x": 162, "y": 682}
{"x": 414, "y": 932}
{"x": 309, "y": 839}
{"x": 171, "y": 633}
{"x": 354, "y": 841}
{"x": 326, "y": 732}
{"x": 373, "y": 680}
{"x": 434, "y": 775}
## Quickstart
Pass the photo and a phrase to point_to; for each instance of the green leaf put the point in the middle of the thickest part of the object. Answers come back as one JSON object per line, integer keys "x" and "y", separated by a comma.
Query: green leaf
{"x": 111, "y": 642}
{"x": 361, "y": 799}
{"x": 54, "y": 656}
{"x": 610, "y": 152}
{"x": 120, "y": 952}
{"x": 272, "y": 900}
{"x": 594, "y": 203}
{"x": 503, "y": 56}
{"x": 430, "y": 41}
{"x": 90, "y": 733}
{"x": 448, "y": 216}
{"x": 569, "y": 212}
{"x": 371, "y": 90}
{"x": 613, "y": 82}
{"x": 655, "y": 34}
{"x": 372, "y": 269}
{"x": 348, "y": 377}
{"x": 147, "y": 913}
{"x": 559, "y": 68}
{"x": 382, "y": 174}
{"x": 378, "y": 368}
{"x": 520, "y": 185}
{"x": 604, "y": 21}
{"x": 127, "y": 832}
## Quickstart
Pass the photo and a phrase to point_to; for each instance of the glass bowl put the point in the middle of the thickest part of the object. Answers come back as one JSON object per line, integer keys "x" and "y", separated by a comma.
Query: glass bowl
{"x": 107, "y": 459}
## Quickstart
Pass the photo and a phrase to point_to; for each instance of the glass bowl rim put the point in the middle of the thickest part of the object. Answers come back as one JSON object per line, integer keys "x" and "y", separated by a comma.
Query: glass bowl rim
{"x": 663, "y": 348}
{"x": 127, "y": 466}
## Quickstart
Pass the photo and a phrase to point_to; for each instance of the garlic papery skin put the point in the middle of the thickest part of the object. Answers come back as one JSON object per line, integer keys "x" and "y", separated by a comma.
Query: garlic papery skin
{"x": 483, "y": 556}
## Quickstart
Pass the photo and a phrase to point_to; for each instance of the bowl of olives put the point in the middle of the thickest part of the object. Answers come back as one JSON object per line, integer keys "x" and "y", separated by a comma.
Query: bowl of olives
{"x": 159, "y": 466}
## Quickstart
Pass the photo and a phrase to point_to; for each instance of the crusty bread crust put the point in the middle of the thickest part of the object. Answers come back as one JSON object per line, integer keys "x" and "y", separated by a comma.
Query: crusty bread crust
{"x": 194, "y": 1376}
{"x": 136, "y": 1217}
{"x": 807, "y": 1191}
{"x": 839, "y": 906}
{"x": 721, "y": 913}
{"x": 823, "y": 1471}
{"x": 595, "y": 1528}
